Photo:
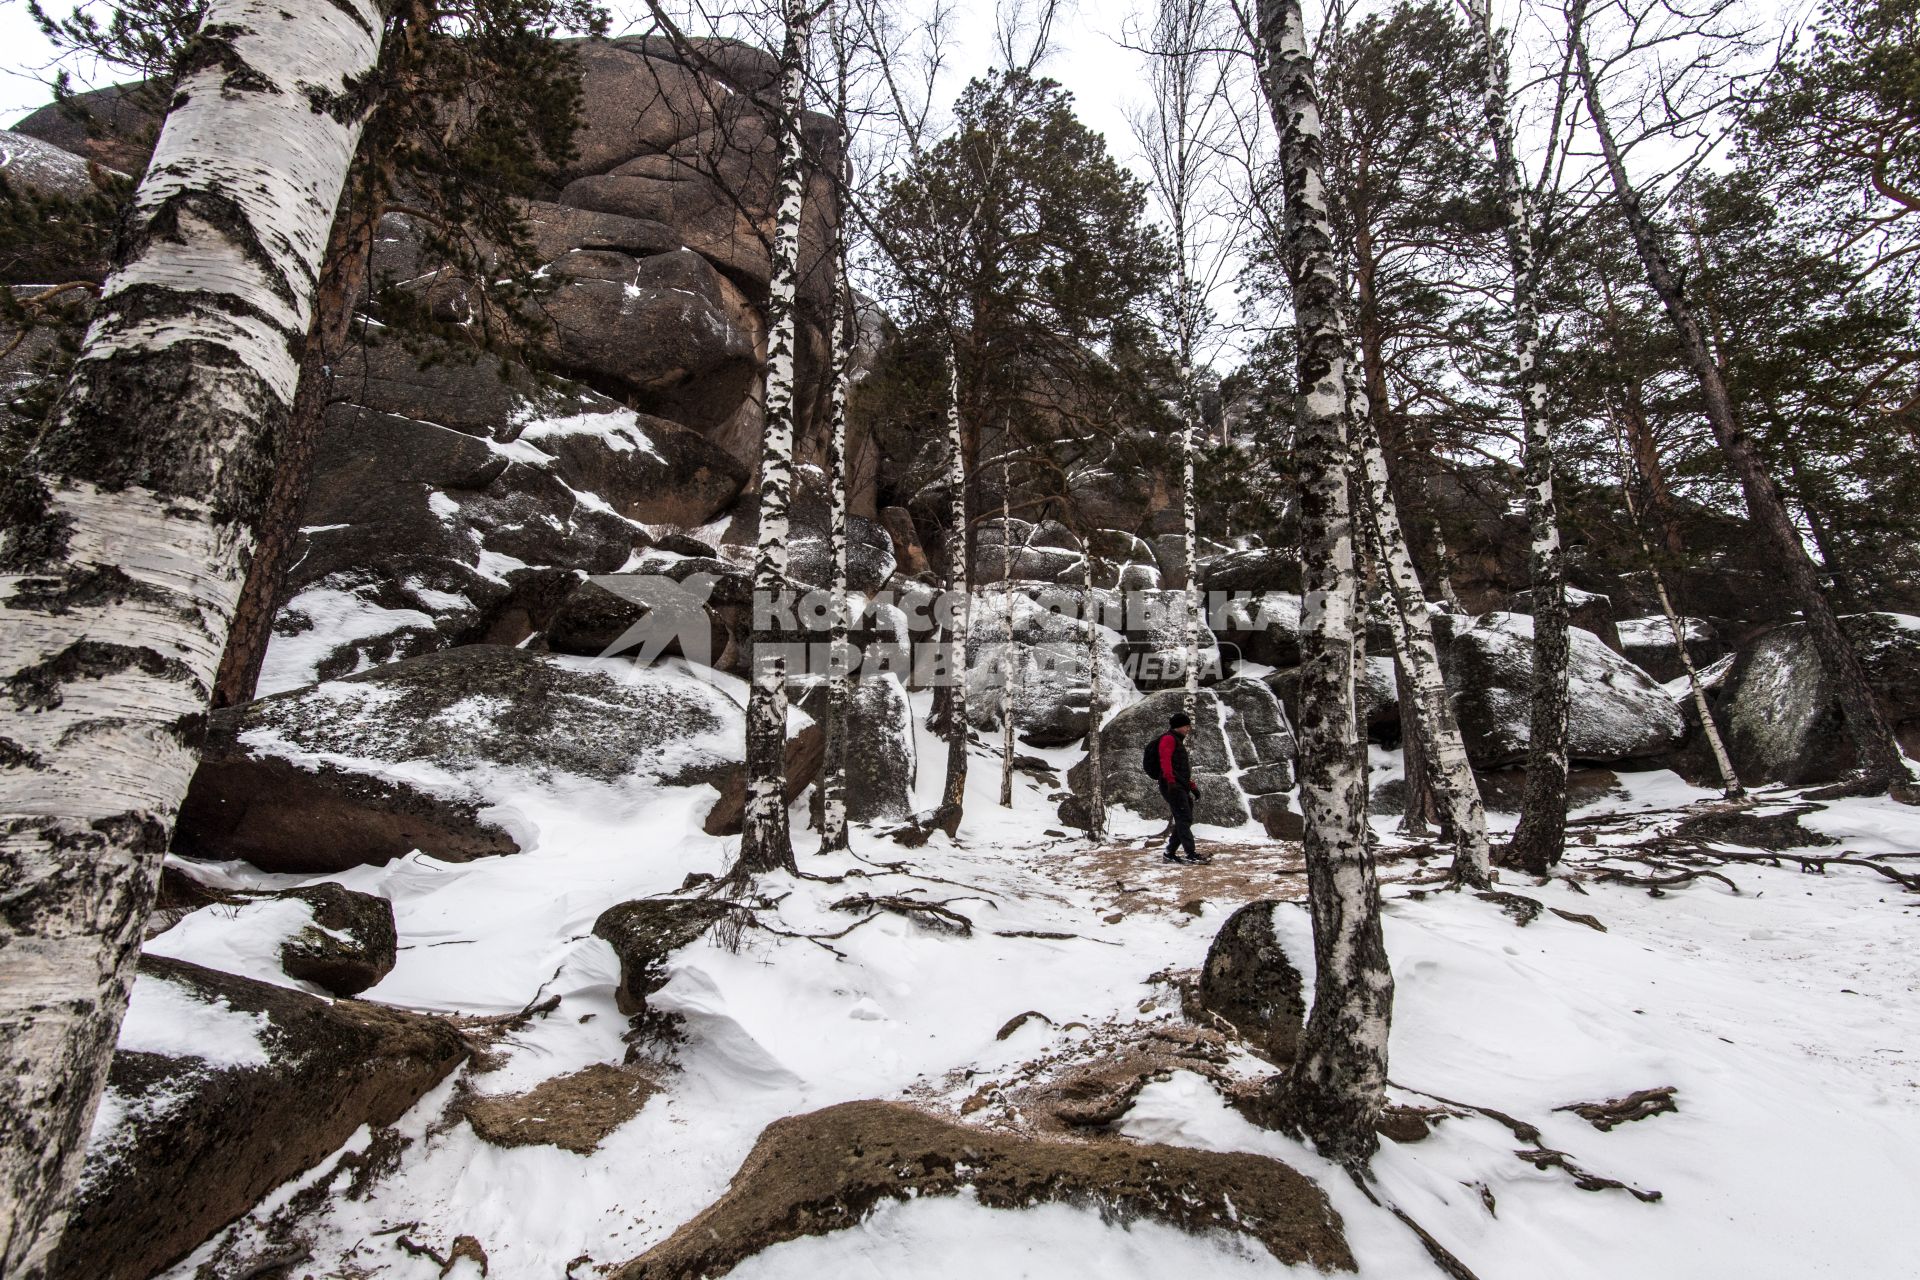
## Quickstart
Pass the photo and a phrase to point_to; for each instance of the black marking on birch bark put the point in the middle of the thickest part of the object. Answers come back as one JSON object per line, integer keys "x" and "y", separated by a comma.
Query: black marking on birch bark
{"x": 352, "y": 11}
{"x": 226, "y": 216}
{"x": 33, "y": 535}
{"x": 213, "y": 46}
{"x": 98, "y": 437}
{"x": 38, "y": 687}
{"x": 15, "y": 756}
{"x": 93, "y": 587}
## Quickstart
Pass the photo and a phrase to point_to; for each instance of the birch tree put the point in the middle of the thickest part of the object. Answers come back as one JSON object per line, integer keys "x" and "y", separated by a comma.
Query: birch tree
{"x": 1335, "y": 1089}
{"x": 1881, "y": 763}
{"x": 1540, "y": 839}
{"x": 833, "y": 769}
{"x": 766, "y": 842}
{"x": 1181, "y": 134}
{"x": 842, "y": 323}
{"x": 1729, "y": 780}
{"x": 127, "y": 530}
{"x": 1410, "y": 622}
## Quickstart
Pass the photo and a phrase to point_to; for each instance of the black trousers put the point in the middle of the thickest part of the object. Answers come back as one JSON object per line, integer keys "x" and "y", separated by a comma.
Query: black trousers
{"x": 1180, "y": 804}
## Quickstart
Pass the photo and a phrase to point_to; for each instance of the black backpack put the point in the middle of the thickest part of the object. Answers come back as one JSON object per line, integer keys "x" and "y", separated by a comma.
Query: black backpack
{"x": 1150, "y": 759}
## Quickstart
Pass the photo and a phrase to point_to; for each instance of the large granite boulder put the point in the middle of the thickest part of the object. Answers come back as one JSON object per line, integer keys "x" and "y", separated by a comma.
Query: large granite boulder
{"x": 1615, "y": 711}
{"x": 222, "y": 1088}
{"x": 881, "y": 762}
{"x": 1779, "y": 716}
{"x": 1253, "y": 569}
{"x": 1249, "y": 981}
{"x": 1155, "y": 653}
{"x": 699, "y": 608}
{"x": 411, "y": 755}
{"x": 1262, "y": 627}
{"x": 1241, "y": 746}
{"x": 1034, "y": 644}
{"x": 669, "y": 331}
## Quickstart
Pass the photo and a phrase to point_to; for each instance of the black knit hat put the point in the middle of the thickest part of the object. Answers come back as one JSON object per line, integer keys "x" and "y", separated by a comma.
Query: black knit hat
{"x": 1179, "y": 720}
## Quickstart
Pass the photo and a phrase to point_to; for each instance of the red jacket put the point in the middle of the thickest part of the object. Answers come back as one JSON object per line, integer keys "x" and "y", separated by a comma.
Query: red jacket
{"x": 1175, "y": 767}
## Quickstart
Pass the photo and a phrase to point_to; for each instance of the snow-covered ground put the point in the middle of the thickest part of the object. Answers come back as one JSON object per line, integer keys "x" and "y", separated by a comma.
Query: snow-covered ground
{"x": 1786, "y": 1016}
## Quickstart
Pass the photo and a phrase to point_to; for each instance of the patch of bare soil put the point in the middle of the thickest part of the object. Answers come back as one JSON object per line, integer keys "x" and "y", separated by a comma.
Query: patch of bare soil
{"x": 1133, "y": 877}
{"x": 573, "y": 1112}
{"x": 821, "y": 1172}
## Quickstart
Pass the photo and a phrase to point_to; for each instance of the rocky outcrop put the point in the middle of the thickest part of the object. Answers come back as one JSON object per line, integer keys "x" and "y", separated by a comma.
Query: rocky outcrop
{"x": 1616, "y": 712}
{"x": 411, "y": 755}
{"x": 1241, "y": 746}
{"x": 824, "y": 1171}
{"x": 646, "y": 932}
{"x": 880, "y": 745}
{"x": 350, "y": 945}
{"x": 1032, "y": 645}
{"x": 1648, "y": 643}
{"x": 1249, "y": 982}
{"x": 222, "y": 1089}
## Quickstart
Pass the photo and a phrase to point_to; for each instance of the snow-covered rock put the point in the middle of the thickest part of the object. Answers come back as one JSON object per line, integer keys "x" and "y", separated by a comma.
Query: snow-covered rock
{"x": 1037, "y": 643}
{"x": 880, "y": 745}
{"x": 412, "y": 755}
{"x": 1252, "y": 569}
{"x": 1616, "y": 712}
{"x": 1263, "y": 626}
{"x": 1648, "y": 643}
{"x": 221, "y": 1089}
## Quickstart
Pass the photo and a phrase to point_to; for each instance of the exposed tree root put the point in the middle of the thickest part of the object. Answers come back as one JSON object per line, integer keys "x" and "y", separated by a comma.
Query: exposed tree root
{"x": 1638, "y": 1105}
{"x": 932, "y": 915}
{"x": 1545, "y": 1158}
{"x": 1443, "y": 1257}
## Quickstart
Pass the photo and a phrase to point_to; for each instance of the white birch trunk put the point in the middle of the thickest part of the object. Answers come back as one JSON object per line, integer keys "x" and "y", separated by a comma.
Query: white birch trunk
{"x": 1008, "y": 700}
{"x": 1540, "y": 839}
{"x": 1723, "y": 764}
{"x": 833, "y": 770}
{"x": 127, "y": 533}
{"x": 954, "y": 791}
{"x": 1410, "y": 622}
{"x": 1335, "y": 1089}
{"x": 1096, "y": 781}
{"x": 766, "y": 842}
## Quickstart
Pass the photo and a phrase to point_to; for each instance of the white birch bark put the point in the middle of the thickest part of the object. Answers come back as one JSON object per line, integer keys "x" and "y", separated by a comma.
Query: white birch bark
{"x": 1540, "y": 839}
{"x": 1335, "y": 1089}
{"x": 766, "y": 842}
{"x": 1008, "y": 700}
{"x": 1729, "y": 780}
{"x": 953, "y": 791}
{"x": 1096, "y": 780}
{"x": 127, "y": 530}
{"x": 833, "y": 770}
{"x": 1410, "y": 622}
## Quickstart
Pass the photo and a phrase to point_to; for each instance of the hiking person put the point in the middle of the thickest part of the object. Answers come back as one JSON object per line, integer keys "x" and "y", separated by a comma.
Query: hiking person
{"x": 1169, "y": 766}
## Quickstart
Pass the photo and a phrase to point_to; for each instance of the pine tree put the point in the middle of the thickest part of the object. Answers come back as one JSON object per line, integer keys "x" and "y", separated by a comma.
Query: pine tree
{"x": 1881, "y": 764}
{"x": 127, "y": 526}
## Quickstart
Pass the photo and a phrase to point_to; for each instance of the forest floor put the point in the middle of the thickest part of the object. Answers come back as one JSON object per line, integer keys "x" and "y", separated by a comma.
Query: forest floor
{"x": 1780, "y": 1007}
